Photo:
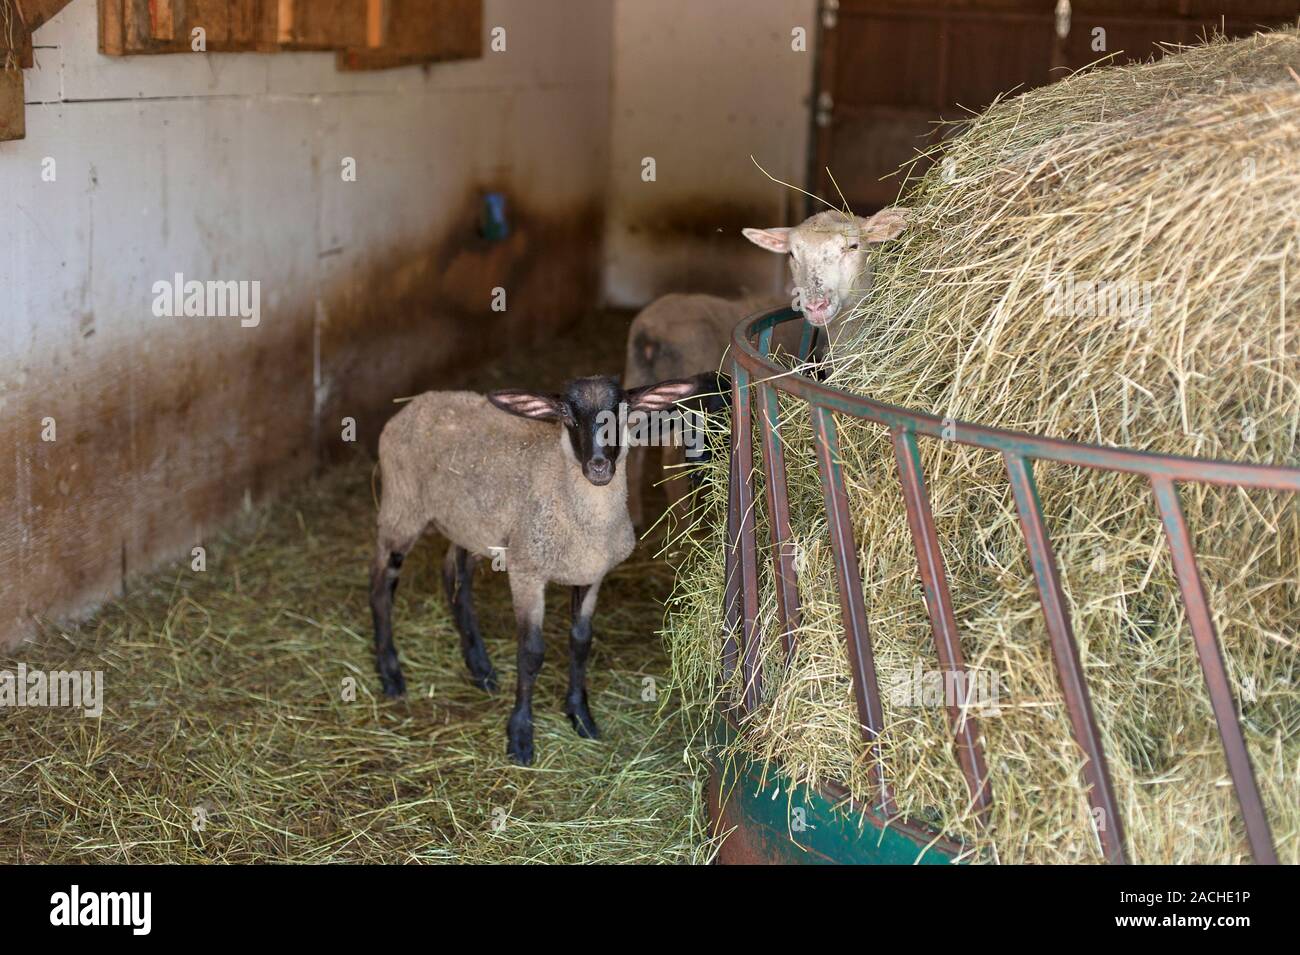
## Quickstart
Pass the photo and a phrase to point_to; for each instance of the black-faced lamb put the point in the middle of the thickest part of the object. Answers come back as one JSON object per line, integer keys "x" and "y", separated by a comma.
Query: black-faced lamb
{"x": 530, "y": 477}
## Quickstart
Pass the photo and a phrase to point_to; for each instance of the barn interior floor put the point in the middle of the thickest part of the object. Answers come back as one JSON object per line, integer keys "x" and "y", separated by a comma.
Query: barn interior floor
{"x": 229, "y": 733}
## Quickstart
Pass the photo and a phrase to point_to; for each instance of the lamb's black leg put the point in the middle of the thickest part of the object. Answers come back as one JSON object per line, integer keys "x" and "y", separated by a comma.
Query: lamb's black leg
{"x": 457, "y": 579}
{"x": 383, "y": 584}
{"x": 575, "y": 701}
{"x": 529, "y": 600}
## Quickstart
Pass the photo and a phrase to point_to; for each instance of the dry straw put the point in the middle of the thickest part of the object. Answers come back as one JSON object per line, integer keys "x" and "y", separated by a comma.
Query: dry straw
{"x": 224, "y": 707}
{"x": 1112, "y": 259}
{"x": 226, "y": 735}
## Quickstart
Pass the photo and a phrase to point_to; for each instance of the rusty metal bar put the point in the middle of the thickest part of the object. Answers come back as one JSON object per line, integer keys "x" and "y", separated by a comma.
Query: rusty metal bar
{"x": 943, "y": 623}
{"x": 742, "y": 465}
{"x": 731, "y": 593}
{"x": 1018, "y": 451}
{"x": 778, "y": 506}
{"x": 866, "y": 690}
{"x": 1069, "y": 668}
{"x": 1172, "y": 466}
{"x": 1216, "y": 677}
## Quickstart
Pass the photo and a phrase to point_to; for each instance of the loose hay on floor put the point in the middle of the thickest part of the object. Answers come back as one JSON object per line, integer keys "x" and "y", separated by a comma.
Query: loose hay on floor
{"x": 226, "y": 737}
{"x": 224, "y": 704}
{"x": 1181, "y": 179}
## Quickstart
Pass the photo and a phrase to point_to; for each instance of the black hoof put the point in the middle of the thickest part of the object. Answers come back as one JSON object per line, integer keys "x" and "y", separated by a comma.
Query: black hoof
{"x": 394, "y": 684}
{"x": 519, "y": 741}
{"x": 487, "y": 683}
{"x": 389, "y": 668}
{"x": 582, "y": 720}
{"x": 520, "y": 751}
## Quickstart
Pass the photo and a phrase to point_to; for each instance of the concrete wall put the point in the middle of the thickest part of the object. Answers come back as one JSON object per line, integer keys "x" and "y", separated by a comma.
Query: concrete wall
{"x": 227, "y": 167}
{"x": 700, "y": 87}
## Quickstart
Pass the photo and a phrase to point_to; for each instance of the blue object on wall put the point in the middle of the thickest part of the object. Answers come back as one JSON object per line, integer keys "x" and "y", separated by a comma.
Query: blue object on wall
{"x": 493, "y": 224}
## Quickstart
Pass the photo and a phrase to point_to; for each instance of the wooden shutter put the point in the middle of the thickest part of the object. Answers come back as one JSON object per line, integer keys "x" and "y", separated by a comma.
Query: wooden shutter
{"x": 133, "y": 27}
{"x": 12, "y": 118}
{"x": 417, "y": 31}
{"x": 369, "y": 34}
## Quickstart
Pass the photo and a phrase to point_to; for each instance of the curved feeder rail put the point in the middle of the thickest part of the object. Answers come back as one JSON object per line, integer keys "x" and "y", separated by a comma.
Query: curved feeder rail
{"x": 752, "y": 372}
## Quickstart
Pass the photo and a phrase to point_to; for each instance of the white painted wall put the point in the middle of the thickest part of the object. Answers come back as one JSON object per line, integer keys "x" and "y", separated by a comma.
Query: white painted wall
{"x": 702, "y": 86}
{"x": 226, "y": 166}
{"x": 183, "y": 159}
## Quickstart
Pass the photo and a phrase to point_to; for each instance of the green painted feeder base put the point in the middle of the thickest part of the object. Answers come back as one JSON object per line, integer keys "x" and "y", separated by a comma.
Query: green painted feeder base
{"x": 765, "y": 824}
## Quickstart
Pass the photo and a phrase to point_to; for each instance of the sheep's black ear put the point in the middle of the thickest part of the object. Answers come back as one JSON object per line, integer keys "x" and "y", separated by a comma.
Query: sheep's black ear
{"x": 663, "y": 396}
{"x": 715, "y": 381}
{"x": 529, "y": 404}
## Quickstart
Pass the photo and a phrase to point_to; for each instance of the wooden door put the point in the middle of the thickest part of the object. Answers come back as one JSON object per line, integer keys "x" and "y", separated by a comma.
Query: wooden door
{"x": 889, "y": 69}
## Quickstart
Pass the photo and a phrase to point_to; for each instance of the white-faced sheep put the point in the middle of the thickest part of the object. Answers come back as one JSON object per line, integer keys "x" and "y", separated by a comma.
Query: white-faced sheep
{"x": 676, "y": 335}
{"x": 532, "y": 477}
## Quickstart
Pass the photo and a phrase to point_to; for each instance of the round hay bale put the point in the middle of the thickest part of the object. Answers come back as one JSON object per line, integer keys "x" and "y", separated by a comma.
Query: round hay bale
{"x": 1113, "y": 259}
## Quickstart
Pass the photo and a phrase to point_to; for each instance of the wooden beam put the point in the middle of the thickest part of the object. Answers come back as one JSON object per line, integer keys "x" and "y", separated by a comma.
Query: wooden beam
{"x": 13, "y": 122}
{"x": 15, "y": 42}
{"x": 36, "y": 12}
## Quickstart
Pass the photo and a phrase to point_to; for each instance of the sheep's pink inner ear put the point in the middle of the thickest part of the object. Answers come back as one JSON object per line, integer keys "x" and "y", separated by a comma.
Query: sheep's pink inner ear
{"x": 526, "y": 404}
{"x": 885, "y": 225}
{"x": 662, "y": 396}
{"x": 774, "y": 240}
